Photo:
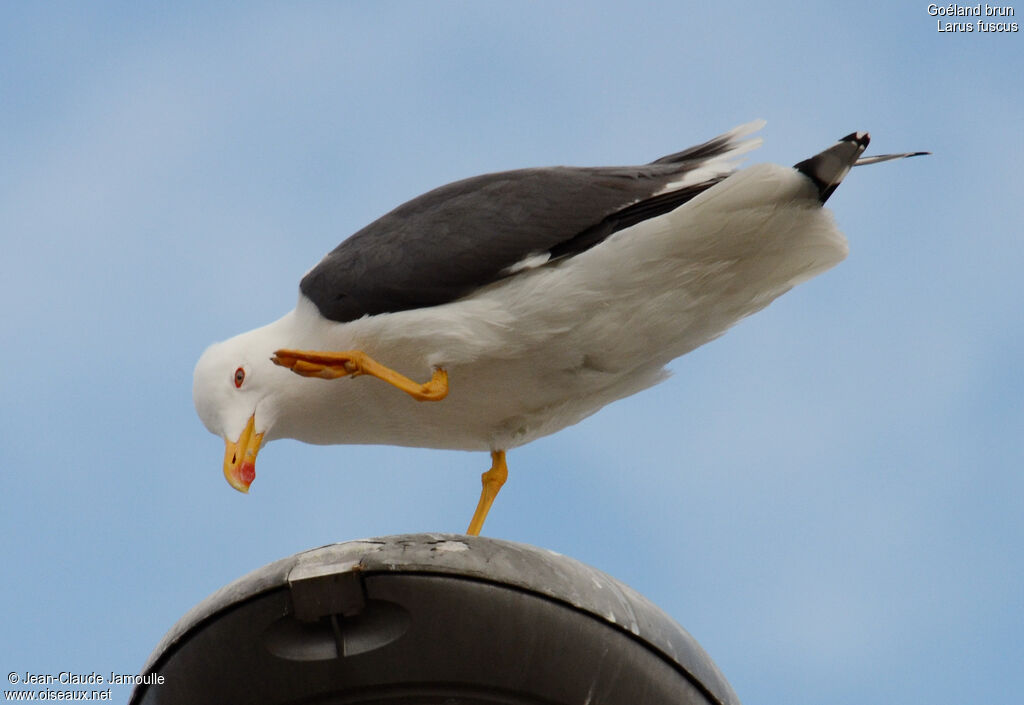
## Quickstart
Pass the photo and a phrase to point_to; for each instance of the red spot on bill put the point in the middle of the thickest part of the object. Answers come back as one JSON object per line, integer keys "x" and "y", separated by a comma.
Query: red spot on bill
{"x": 247, "y": 472}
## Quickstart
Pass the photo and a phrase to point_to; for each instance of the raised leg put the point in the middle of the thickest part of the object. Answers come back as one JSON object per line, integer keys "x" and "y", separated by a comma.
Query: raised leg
{"x": 492, "y": 481}
{"x": 351, "y": 363}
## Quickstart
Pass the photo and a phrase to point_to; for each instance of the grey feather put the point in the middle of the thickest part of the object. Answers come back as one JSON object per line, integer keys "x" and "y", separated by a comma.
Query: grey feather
{"x": 447, "y": 243}
{"x": 878, "y": 158}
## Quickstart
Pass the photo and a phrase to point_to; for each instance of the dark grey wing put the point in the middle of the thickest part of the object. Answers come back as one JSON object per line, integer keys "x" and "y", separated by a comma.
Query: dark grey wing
{"x": 448, "y": 242}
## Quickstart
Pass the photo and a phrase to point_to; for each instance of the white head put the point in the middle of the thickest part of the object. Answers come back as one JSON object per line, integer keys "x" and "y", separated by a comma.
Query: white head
{"x": 237, "y": 393}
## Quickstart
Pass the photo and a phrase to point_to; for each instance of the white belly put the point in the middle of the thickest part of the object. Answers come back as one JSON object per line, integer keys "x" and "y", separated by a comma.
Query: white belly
{"x": 542, "y": 350}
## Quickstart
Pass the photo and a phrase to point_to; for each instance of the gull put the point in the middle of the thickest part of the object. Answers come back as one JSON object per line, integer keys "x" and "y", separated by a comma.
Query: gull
{"x": 527, "y": 300}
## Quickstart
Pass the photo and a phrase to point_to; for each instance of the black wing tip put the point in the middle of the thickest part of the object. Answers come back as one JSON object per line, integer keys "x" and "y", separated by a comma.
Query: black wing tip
{"x": 863, "y": 139}
{"x": 827, "y": 169}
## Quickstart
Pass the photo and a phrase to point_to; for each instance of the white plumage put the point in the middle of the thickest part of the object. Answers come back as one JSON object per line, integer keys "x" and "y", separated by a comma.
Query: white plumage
{"x": 555, "y": 339}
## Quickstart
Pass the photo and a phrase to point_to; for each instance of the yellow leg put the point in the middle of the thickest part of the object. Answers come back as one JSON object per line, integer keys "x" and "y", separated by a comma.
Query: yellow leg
{"x": 492, "y": 481}
{"x": 351, "y": 363}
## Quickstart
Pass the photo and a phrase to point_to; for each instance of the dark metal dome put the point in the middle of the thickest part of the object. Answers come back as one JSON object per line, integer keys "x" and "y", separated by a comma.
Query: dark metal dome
{"x": 430, "y": 618}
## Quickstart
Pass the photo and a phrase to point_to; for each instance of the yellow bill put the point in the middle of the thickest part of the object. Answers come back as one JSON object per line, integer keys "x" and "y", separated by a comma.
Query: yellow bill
{"x": 240, "y": 457}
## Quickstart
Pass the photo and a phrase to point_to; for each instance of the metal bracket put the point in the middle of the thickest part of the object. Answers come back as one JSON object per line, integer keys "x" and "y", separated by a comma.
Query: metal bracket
{"x": 321, "y": 590}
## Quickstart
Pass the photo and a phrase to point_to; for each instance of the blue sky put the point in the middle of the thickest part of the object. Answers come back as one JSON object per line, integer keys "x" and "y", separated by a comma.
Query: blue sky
{"x": 829, "y": 498}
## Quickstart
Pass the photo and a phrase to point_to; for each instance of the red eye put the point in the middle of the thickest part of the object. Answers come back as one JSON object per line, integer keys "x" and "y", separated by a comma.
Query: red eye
{"x": 239, "y": 377}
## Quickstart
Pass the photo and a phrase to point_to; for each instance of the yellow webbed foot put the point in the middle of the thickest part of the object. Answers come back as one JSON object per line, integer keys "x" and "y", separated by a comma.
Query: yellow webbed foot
{"x": 351, "y": 363}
